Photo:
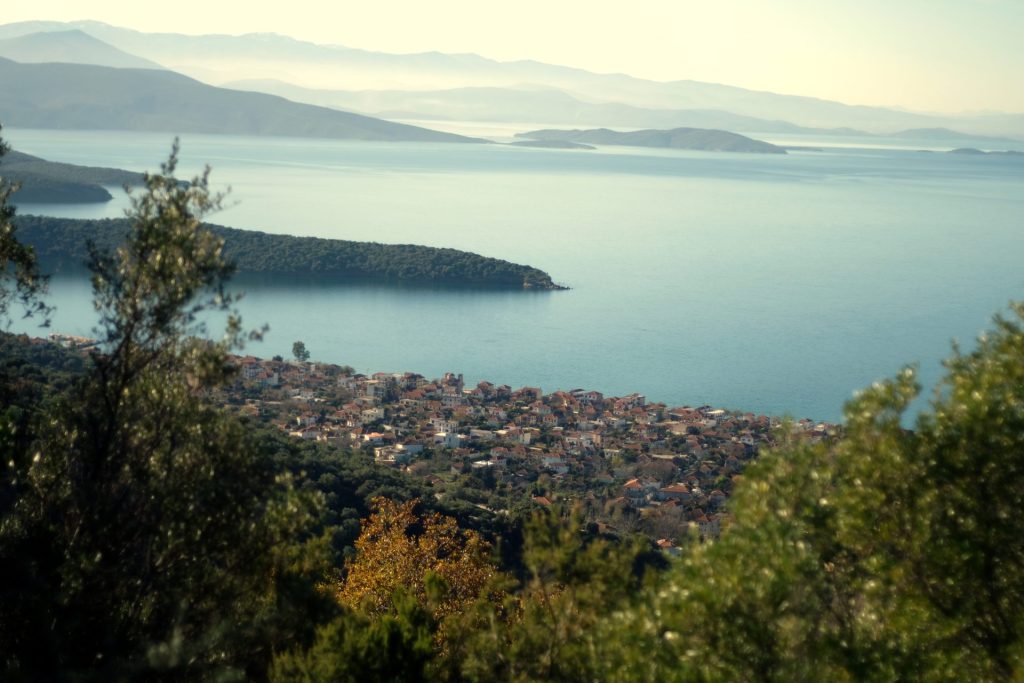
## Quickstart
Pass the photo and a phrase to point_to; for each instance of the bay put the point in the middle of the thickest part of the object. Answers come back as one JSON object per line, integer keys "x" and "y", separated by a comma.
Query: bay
{"x": 775, "y": 284}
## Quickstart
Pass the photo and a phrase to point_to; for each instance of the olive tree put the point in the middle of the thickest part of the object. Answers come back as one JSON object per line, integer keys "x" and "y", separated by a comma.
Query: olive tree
{"x": 152, "y": 538}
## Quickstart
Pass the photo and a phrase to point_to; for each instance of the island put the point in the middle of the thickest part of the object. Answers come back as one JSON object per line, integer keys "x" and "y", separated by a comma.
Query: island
{"x": 952, "y": 135}
{"x": 700, "y": 139}
{"x": 974, "y": 151}
{"x": 551, "y": 144}
{"x": 50, "y": 182}
{"x": 62, "y": 242}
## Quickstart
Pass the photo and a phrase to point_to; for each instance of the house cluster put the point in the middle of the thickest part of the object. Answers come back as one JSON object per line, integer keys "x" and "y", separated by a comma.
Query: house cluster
{"x": 646, "y": 459}
{"x": 71, "y": 341}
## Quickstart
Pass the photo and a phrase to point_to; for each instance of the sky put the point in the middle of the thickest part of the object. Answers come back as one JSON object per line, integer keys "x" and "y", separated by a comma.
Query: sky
{"x": 925, "y": 55}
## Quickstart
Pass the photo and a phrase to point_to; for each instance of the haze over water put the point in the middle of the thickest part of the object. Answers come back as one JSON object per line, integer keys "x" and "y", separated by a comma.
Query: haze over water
{"x": 767, "y": 283}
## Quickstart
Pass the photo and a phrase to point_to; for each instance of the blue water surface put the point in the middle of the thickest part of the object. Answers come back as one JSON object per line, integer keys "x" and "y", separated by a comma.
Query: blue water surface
{"x": 769, "y": 283}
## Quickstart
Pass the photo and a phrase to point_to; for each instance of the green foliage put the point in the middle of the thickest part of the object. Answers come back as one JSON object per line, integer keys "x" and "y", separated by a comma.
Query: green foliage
{"x": 20, "y": 280}
{"x": 300, "y": 352}
{"x": 31, "y": 374}
{"x": 354, "y": 648}
{"x": 891, "y": 555}
{"x": 546, "y": 630}
{"x": 150, "y": 537}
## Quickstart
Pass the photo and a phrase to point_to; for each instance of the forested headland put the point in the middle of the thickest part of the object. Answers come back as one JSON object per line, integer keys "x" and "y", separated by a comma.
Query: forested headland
{"x": 63, "y": 241}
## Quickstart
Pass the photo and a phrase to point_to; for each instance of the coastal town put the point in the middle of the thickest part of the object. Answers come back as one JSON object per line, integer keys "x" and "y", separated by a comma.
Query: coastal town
{"x": 629, "y": 463}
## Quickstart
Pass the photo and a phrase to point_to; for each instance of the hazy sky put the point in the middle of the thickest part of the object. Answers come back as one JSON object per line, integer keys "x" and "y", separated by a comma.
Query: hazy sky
{"x": 932, "y": 55}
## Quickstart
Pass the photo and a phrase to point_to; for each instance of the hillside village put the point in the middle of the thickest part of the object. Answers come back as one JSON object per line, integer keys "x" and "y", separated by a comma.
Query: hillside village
{"x": 630, "y": 463}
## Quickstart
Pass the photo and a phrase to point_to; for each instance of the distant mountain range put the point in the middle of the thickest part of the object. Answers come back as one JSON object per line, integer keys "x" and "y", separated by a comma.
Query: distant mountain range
{"x": 523, "y": 105}
{"x": 436, "y": 86}
{"x": 49, "y": 182}
{"x": 947, "y": 135}
{"x": 74, "y": 46}
{"x": 678, "y": 138}
{"x": 80, "y": 96}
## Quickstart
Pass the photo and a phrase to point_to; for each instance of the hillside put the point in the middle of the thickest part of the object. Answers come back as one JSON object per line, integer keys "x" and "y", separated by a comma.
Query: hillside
{"x": 74, "y": 47}
{"x": 62, "y": 241}
{"x": 49, "y": 182}
{"x": 678, "y": 138}
{"x": 86, "y": 97}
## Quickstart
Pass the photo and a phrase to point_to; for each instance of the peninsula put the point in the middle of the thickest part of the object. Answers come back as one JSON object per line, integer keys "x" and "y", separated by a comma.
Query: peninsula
{"x": 62, "y": 242}
{"x": 50, "y": 182}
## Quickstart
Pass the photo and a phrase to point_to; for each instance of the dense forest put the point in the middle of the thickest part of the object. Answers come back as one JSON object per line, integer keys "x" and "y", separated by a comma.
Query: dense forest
{"x": 146, "y": 534}
{"x": 64, "y": 240}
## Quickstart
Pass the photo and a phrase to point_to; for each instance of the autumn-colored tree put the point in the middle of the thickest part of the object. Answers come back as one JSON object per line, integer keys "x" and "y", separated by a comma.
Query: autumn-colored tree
{"x": 426, "y": 555}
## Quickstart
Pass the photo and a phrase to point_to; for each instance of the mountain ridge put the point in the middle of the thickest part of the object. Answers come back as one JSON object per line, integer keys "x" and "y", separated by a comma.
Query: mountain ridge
{"x": 216, "y": 58}
{"x": 71, "y": 46}
{"x": 87, "y": 97}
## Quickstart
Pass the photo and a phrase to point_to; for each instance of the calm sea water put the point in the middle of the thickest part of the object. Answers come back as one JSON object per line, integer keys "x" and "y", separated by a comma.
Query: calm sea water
{"x": 767, "y": 283}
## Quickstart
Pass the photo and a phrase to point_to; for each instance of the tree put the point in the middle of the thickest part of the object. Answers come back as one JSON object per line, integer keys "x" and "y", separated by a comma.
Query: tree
{"x": 300, "y": 352}
{"x": 893, "y": 554}
{"x": 399, "y": 549}
{"x": 412, "y": 578}
{"x": 20, "y": 280}
{"x": 574, "y": 582}
{"x": 356, "y": 648}
{"x": 151, "y": 538}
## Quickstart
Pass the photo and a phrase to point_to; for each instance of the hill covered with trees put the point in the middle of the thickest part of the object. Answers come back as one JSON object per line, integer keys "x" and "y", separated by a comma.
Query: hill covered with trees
{"x": 64, "y": 241}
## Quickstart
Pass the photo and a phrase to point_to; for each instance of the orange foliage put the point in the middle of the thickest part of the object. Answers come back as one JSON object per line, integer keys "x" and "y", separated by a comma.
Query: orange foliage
{"x": 400, "y": 549}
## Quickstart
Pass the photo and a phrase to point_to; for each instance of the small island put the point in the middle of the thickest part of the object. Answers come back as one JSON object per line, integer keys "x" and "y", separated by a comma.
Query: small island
{"x": 60, "y": 242}
{"x": 551, "y": 144}
{"x": 974, "y": 151}
{"x": 698, "y": 139}
{"x": 50, "y": 182}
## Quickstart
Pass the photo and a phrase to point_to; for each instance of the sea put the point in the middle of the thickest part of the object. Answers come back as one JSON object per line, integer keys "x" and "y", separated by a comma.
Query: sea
{"x": 776, "y": 284}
